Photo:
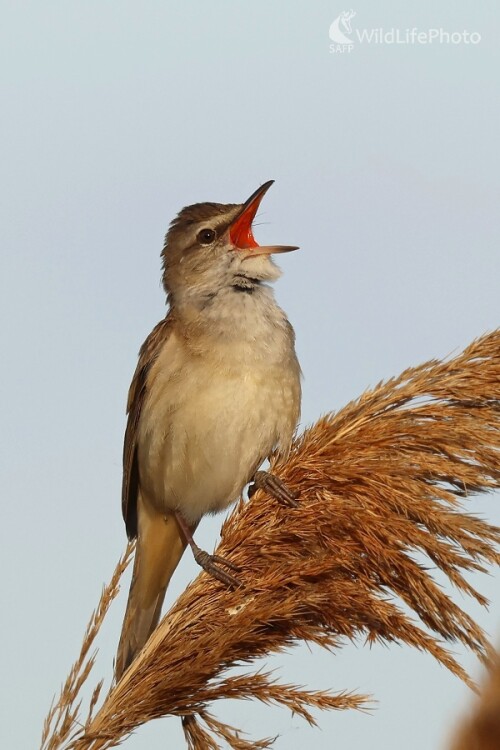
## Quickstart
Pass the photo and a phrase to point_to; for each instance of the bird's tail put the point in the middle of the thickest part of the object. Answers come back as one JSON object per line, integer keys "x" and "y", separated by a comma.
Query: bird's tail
{"x": 160, "y": 545}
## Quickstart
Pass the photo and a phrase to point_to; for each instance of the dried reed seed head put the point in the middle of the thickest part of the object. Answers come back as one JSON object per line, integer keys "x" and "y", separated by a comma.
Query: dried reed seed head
{"x": 382, "y": 485}
{"x": 481, "y": 728}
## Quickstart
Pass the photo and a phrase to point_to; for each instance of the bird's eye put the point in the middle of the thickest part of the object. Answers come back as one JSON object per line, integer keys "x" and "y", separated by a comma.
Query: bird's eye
{"x": 206, "y": 236}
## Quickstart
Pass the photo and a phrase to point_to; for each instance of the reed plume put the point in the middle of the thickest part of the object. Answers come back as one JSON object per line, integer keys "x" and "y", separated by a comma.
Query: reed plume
{"x": 481, "y": 729}
{"x": 383, "y": 483}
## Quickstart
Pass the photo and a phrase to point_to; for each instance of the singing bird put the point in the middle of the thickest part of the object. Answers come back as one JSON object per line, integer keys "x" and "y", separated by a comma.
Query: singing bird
{"x": 216, "y": 392}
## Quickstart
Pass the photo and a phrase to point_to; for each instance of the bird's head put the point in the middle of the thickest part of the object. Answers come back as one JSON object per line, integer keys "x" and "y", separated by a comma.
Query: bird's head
{"x": 210, "y": 247}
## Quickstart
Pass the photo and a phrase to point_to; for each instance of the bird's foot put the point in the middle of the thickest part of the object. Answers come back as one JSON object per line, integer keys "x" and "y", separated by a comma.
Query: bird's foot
{"x": 274, "y": 486}
{"x": 214, "y": 565}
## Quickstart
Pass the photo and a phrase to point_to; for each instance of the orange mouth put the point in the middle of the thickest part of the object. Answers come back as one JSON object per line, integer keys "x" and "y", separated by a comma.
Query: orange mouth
{"x": 240, "y": 231}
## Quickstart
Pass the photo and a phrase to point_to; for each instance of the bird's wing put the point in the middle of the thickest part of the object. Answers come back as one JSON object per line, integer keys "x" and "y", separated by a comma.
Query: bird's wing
{"x": 138, "y": 388}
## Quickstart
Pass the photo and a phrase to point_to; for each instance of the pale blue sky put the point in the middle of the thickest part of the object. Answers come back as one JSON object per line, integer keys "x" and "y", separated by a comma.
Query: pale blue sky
{"x": 115, "y": 115}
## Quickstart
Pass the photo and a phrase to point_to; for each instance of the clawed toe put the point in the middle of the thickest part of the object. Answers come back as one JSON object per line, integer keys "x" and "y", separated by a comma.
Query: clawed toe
{"x": 272, "y": 484}
{"x": 213, "y": 564}
{"x": 222, "y": 561}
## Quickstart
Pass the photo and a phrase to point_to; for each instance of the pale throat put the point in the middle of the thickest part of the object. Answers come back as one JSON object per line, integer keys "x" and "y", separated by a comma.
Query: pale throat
{"x": 243, "y": 315}
{"x": 233, "y": 298}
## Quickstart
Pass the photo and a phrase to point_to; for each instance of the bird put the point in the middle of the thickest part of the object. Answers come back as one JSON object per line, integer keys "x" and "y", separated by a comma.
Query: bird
{"x": 216, "y": 392}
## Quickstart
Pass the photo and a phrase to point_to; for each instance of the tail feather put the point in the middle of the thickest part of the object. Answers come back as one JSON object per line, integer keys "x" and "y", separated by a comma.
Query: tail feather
{"x": 160, "y": 546}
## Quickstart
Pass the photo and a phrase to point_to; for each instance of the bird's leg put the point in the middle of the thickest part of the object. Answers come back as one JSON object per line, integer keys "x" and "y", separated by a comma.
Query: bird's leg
{"x": 274, "y": 486}
{"x": 211, "y": 563}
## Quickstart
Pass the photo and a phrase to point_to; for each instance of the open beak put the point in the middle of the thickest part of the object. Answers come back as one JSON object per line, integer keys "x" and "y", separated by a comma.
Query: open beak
{"x": 240, "y": 231}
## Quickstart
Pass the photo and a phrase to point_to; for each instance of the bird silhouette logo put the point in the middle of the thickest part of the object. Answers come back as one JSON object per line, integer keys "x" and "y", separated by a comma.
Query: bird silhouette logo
{"x": 341, "y": 27}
